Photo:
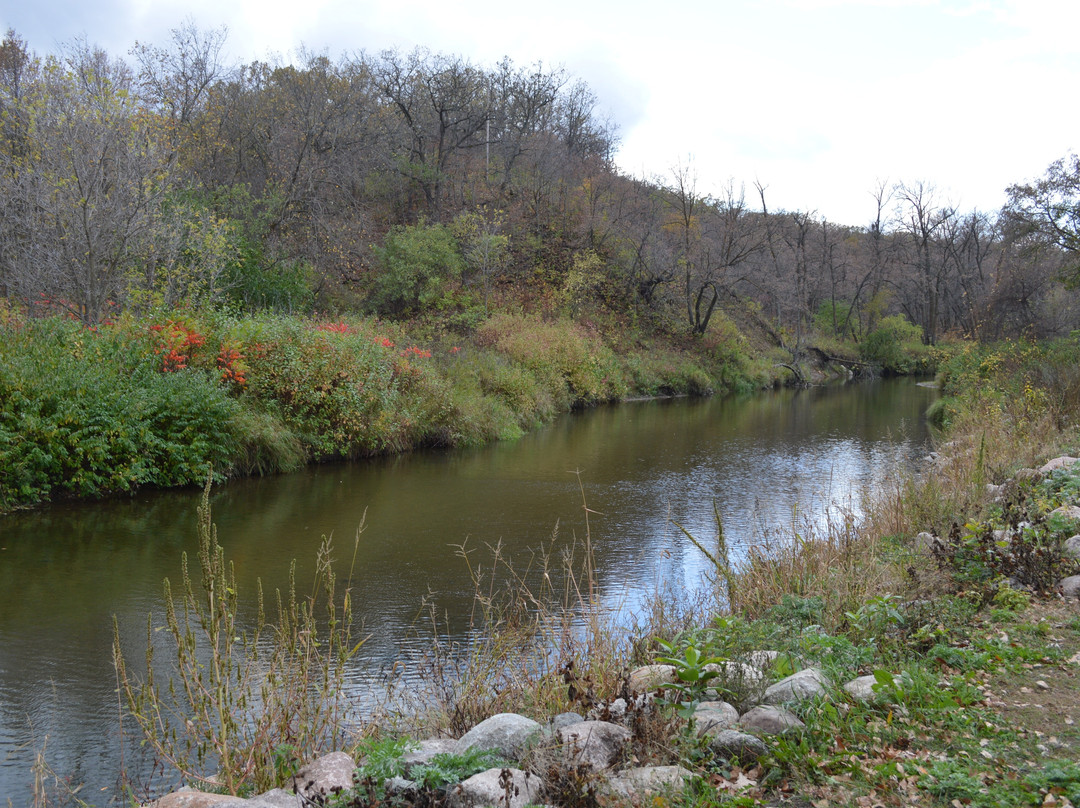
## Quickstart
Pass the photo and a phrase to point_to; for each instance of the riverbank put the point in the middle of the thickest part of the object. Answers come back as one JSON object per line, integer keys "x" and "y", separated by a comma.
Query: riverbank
{"x": 164, "y": 400}
{"x": 946, "y": 600}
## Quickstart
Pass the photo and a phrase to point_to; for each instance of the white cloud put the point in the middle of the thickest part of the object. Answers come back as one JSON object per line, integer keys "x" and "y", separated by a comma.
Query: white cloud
{"x": 817, "y": 99}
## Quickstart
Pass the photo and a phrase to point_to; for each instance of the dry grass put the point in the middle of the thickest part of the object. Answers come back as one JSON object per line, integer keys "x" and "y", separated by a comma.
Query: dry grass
{"x": 835, "y": 562}
{"x": 539, "y": 642}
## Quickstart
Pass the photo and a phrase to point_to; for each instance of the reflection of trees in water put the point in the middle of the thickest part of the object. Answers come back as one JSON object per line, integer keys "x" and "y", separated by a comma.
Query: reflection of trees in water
{"x": 68, "y": 569}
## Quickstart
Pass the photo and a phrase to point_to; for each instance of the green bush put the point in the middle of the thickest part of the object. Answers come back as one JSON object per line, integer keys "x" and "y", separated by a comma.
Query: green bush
{"x": 896, "y": 347}
{"x": 832, "y": 316}
{"x": 418, "y": 264}
{"x": 334, "y": 385}
{"x": 89, "y": 413}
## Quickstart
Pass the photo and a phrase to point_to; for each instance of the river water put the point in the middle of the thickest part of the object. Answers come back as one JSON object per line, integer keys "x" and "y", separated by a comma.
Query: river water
{"x": 66, "y": 570}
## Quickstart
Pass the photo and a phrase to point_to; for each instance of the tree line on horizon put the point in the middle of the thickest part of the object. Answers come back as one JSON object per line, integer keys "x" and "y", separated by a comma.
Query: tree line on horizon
{"x": 399, "y": 184}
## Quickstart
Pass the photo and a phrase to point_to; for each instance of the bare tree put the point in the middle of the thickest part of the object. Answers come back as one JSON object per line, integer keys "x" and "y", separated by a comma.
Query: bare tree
{"x": 441, "y": 106}
{"x": 924, "y": 224}
{"x": 91, "y": 188}
{"x": 176, "y": 80}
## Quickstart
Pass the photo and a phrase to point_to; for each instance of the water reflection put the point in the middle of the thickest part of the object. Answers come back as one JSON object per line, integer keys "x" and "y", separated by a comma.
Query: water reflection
{"x": 65, "y": 571}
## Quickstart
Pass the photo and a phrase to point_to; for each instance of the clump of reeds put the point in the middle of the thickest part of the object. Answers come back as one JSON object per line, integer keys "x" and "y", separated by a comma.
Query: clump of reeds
{"x": 241, "y": 707}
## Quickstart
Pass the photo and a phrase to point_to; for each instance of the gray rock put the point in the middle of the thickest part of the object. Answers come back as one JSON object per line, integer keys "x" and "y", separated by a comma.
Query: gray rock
{"x": 597, "y": 744}
{"x": 763, "y": 660}
{"x": 862, "y": 688}
{"x": 740, "y": 682}
{"x": 1068, "y": 511}
{"x": 508, "y": 734}
{"x": 1025, "y": 475}
{"x": 713, "y": 716}
{"x": 490, "y": 789}
{"x": 278, "y": 798}
{"x": 647, "y": 780}
{"x": 426, "y": 750}
{"x": 1069, "y": 587}
{"x": 648, "y": 678}
{"x": 564, "y": 720}
{"x": 928, "y": 543}
{"x": 737, "y": 746}
{"x": 806, "y": 684}
{"x": 769, "y": 720}
{"x": 1057, "y": 463}
{"x": 400, "y": 785}
{"x": 616, "y": 710}
{"x": 1071, "y": 547}
{"x": 737, "y": 672}
{"x": 1018, "y": 585}
{"x": 190, "y": 798}
{"x": 325, "y": 775}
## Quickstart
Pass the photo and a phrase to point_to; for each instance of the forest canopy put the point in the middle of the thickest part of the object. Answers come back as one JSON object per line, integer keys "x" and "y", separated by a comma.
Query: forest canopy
{"x": 404, "y": 183}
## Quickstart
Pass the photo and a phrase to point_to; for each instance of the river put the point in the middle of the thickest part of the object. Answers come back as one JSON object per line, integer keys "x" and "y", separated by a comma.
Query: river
{"x": 66, "y": 570}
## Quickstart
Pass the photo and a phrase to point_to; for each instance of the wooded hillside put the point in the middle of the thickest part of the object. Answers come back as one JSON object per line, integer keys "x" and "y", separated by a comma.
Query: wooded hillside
{"x": 401, "y": 184}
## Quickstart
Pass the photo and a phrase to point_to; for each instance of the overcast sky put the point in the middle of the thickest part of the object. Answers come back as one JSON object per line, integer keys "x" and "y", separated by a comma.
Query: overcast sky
{"x": 818, "y": 100}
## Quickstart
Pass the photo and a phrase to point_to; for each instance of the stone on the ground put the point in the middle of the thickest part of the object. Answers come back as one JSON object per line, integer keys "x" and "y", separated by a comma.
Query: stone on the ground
{"x": 1069, "y": 587}
{"x": 805, "y": 684}
{"x": 190, "y": 798}
{"x": 1057, "y": 463}
{"x": 277, "y": 798}
{"x": 325, "y": 775}
{"x": 508, "y": 734}
{"x": 426, "y": 750}
{"x": 490, "y": 789}
{"x": 770, "y": 720}
{"x": 740, "y": 747}
{"x": 1067, "y": 511}
{"x": 762, "y": 660}
{"x": 736, "y": 672}
{"x": 596, "y": 744}
{"x": 399, "y": 785}
{"x": 1071, "y": 547}
{"x": 862, "y": 688}
{"x": 646, "y": 781}
{"x": 928, "y": 543}
{"x": 564, "y": 720}
{"x": 739, "y": 681}
{"x": 650, "y": 677}
{"x": 713, "y": 716}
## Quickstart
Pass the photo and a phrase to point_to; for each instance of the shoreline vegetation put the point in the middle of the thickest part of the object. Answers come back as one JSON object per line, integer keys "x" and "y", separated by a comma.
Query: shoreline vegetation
{"x": 160, "y": 400}
{"x": 945, "y": 602}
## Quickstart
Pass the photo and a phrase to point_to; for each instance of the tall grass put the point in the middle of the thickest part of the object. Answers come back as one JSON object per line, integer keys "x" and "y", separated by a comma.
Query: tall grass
{"x": 536, "y": 626}
{"x": 240, "y": 706}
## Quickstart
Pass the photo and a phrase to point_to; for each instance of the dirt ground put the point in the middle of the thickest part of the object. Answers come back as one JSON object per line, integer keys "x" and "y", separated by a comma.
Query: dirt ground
{"x": 1044, "y": 700}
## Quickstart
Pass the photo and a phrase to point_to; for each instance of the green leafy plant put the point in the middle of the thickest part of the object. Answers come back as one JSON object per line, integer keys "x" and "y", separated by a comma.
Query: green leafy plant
{"x": 692, "y": 669}
{"x": 448, "y": 768}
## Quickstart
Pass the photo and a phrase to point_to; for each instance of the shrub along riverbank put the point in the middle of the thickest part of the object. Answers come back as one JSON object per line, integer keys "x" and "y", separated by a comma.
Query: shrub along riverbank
{"x": 946, "y": 598}
{"x": 161, "y": 400}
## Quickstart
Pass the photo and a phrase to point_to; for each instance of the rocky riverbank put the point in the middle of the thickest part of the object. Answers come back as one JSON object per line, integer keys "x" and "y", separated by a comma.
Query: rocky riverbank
{"x": 910, "y": 707}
